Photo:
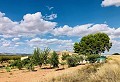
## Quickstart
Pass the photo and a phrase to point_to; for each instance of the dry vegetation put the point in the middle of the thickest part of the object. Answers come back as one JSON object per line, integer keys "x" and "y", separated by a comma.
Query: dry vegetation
{"x": 108, "y": 72}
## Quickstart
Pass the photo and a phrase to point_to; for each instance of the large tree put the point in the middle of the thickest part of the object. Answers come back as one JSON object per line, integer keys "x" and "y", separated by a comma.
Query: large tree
{"x": 93, "y": 44}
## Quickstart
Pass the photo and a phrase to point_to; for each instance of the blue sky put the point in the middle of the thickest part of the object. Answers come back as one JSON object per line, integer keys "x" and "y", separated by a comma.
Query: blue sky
{"x": 26, "y": 24}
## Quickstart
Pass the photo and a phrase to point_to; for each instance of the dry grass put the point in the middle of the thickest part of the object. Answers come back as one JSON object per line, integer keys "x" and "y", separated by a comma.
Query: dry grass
{"x": 108, "y": 72}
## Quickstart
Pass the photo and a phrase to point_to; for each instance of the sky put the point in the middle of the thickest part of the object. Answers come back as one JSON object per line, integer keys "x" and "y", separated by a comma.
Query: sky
{"x": 57, "y": 24}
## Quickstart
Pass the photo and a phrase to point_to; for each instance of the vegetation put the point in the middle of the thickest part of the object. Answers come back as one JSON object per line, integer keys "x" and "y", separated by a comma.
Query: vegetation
{"x": 37, "y": 57}
{"x": 71, "y": 61}
{"x": 8, "y": 57}
{"x": 64, "y": 56}
{"x": 53, "y": 60}
{"x": 93, "y": 44}
{"x": 92, "y": 58}
{"x": 108, "y": 72}
{"x": 116, "y": 54}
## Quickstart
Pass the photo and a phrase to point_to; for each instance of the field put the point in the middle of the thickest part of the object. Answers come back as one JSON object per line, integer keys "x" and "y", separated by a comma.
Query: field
{"x": 108, "y": 72}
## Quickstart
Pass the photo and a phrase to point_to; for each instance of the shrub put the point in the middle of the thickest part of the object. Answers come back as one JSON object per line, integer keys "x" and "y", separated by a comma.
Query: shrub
{"x": 63, "y": 63}
{"x": 93, "y": 58}
{"x": 78, "y": 58}
{"x": 18, "y": 64}
{"x": 72, "y": 61}
{"x": 116, "y": 54}
{"x": 64, "y": 56}
{"x": 30, "y": 65}
{"x": 8, "y": 69}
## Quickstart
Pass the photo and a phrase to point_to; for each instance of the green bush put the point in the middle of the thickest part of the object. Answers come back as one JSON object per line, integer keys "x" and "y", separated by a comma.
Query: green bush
{"x": 78, "y": 58}
{"x": 92, "y": 58}
{"x": 30, "y": 65}
{"x": 8, "y": 69}
{"x": 18, "y": 64}
{"x": 64, "y": 56}
{"x": 72, "y": 61}
{"x": 9, "y": 57}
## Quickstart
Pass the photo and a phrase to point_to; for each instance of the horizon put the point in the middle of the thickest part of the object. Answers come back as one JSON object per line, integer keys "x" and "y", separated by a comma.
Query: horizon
{"x": 25, "y": 25}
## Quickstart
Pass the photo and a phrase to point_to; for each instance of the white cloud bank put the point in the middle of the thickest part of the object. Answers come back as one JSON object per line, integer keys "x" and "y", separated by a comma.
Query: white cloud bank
{"x": 59, "y": 43}
{"x": 31, "y": 24}
{"x": 82, "y": 30}
{"x": 106, "y": 3}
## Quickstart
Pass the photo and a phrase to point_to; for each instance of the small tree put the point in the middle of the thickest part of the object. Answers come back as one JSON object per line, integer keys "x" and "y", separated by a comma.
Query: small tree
{"x": 54, "y": 59}
{"x": 45, "y": 55}
{"x": 36, "y": 57}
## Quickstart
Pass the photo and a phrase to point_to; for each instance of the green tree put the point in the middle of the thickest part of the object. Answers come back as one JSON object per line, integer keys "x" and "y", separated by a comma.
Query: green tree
{"x": 53, "y": 60}
{"x": 93, "y": 44}
{"x": 45, "y": 55}
{"x": 37, "y": 57}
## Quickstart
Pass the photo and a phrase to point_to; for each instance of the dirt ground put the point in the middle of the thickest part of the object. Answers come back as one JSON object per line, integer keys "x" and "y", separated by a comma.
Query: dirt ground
{"x": 41, "y": 75}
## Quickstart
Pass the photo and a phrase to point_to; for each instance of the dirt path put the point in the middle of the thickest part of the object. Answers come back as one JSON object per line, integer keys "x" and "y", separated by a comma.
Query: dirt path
{"x": 41, "y": 75}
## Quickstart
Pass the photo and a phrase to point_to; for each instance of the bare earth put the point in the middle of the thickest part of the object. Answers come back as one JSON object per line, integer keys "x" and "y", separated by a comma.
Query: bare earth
{"x": 41, "y": 75}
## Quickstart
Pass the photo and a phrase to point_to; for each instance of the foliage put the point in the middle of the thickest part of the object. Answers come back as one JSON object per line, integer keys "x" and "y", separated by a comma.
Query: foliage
{"x": 116, "y": 54}
{"x": 40, "y": 57}
{"x": 53, "y": 60}
{"x": 8, "y": 69}
{"x": 17, "y": 63}
{"x": 79, "y": 58}
{"x": 64, "y": 56}
{"x": 93, "y": 58}
{"x": 93, "y": 44}
{"x": 9, "y": 57}
{"x": 72, "y": 61}
{"x": 63, "y": 63}
{"x": 30, "y": 65}
{"x": 45, "y": 55}
{"x": 36, "y": 57}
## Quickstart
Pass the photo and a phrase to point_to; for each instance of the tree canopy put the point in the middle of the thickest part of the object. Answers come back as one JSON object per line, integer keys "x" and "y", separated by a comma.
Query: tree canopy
{"x": 93, "y": 44}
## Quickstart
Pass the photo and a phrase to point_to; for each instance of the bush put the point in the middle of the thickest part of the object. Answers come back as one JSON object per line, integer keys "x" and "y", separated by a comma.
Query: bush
{"x": 116, "y": 54}
{"x": 30, "y": 64}
{"x": 72, "y": 61}
{"x": 78, "y": 58}
{"x": 9, "y": 57}
{"x": 93, "y": 58}
{"x": 53, "y": 60}
{"x": 64, "y": 56}
{"x": 18, "y": 64}
{"x": 8, "y": 69}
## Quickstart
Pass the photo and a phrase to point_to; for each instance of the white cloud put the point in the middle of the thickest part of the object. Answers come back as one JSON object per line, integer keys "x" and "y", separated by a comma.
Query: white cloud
{"x": 30, "y": 25}
{"x": 6, "y": 44}
{"x": 83, "y": 30}
{"x": 111, "y": 3}
{"x": 15, "y": 39}
{"x": 38, "y": 42}
{"x": 71, "y": 31}
{"x": 50, "y": 17}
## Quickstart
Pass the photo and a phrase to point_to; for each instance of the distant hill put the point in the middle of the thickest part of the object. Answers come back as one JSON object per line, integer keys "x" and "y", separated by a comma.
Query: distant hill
{"x": 21, "y": 54}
